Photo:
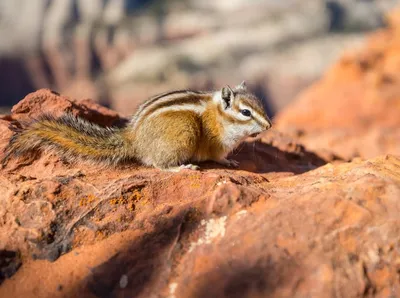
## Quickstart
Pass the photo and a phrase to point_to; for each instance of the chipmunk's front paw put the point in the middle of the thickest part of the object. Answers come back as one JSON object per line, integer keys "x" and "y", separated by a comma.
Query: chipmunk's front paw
{"x": 228, "y": 163}
{"x": 233, "y": 163}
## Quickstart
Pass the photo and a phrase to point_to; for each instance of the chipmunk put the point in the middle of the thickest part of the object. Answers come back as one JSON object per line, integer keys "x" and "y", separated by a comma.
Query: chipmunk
{"x": 169, "y": 131}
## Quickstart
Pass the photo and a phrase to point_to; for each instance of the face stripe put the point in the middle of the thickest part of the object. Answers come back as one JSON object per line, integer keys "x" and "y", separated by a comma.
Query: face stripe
{"x": 260, "y": 121}
{"x": 229, "y": 117}
{"x": 254, "y": 104}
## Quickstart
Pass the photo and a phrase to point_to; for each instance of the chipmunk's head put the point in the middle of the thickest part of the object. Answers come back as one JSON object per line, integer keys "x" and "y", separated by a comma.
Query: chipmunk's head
{"x": 244, "y": 110}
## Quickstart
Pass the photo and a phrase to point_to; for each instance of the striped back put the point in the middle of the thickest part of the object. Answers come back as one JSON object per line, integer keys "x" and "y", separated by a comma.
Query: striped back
{"x": 179, "y": 100}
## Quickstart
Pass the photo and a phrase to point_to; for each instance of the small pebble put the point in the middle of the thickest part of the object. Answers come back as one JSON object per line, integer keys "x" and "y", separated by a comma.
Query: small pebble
{"x": 123, "y": 282}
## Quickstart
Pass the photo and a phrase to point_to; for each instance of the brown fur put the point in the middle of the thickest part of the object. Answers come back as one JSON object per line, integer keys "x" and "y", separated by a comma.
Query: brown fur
{"x": 175, "y": 146}
{"x": 212, "y": 130}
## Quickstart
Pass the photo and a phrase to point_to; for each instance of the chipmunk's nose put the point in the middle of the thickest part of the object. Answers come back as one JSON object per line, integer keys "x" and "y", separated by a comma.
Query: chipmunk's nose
{"x": 268, "y": 124}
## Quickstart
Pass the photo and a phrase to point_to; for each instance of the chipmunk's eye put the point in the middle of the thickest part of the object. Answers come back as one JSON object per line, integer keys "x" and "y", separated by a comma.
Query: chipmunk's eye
{"x": 245, "y": 112}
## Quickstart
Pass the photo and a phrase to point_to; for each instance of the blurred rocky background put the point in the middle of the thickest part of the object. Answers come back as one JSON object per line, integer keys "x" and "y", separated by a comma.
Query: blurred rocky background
{"x": 119, "y": 52}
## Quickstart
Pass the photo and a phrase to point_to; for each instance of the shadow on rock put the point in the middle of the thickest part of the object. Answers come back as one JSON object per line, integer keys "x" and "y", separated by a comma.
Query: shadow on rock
{"x": 136, "y": 270}
{"x": 275, "y": 152}
{"x": 10, "y": 261}
{"x": 239, "y": 279}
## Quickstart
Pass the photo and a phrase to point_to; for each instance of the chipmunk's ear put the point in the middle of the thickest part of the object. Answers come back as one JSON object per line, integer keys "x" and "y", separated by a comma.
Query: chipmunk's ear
{"x": 242, "y": 86}
{"x": 227, "y": 97}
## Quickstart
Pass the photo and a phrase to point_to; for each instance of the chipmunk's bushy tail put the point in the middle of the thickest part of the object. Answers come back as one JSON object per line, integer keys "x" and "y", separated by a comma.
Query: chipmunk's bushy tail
{"x": 71, "y": 138}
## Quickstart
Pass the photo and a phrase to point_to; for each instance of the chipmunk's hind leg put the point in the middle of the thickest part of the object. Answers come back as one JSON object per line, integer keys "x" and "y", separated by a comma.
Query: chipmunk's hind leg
{"x": 182, "y": 167}
{"x": 174, "y": 148}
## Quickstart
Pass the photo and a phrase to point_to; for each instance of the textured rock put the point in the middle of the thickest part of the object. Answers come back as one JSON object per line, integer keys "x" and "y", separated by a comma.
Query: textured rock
{"x": 285, "y": 224}
{"x": 354, "y": 110}
{"x": 46, "y": 101}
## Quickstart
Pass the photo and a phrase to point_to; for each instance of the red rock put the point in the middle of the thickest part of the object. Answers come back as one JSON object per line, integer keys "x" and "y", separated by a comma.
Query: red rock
{"x": 47, "y": 101}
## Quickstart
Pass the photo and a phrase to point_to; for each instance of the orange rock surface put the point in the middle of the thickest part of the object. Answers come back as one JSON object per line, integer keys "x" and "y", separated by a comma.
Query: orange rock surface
{"x": 355, "y": 109}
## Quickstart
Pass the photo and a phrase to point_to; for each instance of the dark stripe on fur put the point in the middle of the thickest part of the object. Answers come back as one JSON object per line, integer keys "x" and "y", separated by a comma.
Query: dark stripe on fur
{"x": 189, "y": 99}
{"x": 163, "y": 95}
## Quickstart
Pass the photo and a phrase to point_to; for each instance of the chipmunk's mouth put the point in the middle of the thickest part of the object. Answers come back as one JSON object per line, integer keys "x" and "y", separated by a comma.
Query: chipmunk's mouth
{"x": 253, "y": 135}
